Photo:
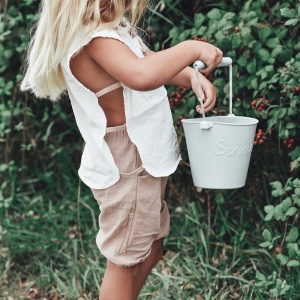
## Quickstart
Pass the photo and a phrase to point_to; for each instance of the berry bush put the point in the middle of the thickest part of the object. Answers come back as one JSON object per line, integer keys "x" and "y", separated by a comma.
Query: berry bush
{"x": 260, "y": 37}
{"x": 40, "y": 150}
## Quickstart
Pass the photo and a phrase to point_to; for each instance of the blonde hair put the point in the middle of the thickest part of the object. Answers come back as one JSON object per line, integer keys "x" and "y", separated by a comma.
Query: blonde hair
{"x": 58, "y": 24}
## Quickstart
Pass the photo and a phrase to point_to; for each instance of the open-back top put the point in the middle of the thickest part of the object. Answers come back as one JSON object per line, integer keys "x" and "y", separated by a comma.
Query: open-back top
{"x": 149, "y": 120}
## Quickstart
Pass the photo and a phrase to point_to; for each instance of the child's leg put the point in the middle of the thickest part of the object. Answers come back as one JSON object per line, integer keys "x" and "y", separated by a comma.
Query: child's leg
{"x": 147, "y": 266}
{"x": 118, "y": 282}
{"x": 131, "y": 210}
{"x": 125, "y": 283}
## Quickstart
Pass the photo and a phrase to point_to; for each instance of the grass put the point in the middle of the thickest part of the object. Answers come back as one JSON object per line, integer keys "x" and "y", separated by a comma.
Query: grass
{"x": 47, "y": 232}
{"x": 48, "y": 250}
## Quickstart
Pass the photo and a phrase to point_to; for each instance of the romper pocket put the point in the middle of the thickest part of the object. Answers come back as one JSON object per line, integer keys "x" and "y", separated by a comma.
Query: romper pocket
{"x": 146, "y": 221}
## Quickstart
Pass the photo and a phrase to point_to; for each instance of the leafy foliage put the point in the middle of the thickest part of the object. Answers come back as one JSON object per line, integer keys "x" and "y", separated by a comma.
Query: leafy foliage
{"x": 41, "y": 147}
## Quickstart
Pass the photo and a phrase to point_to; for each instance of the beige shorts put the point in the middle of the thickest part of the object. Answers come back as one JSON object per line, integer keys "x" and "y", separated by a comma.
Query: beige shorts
{"x": 133, "y": 213}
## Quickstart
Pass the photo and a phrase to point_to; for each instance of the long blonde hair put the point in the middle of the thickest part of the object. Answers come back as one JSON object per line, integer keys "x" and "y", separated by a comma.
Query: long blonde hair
{"x": 58, "y": 24}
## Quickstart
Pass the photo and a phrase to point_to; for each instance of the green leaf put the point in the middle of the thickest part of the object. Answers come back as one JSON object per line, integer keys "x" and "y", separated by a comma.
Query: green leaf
{"x": 272, "y": 277}
{"x": 278, "y": 209}
{"x": 260, "y": 276}
{"x": 251, "y": 67}
{"x": 264, "y": 54}
{"x": 296, "y": 182}
{"x": 199, "y": 19}
{"x": 276, "y": 185}
{"x": 276, "y": 238}
{"x": 284, "y": 134}
{"x": 291, "y": 125}
{"x": 219, "y": 198}
{"x": 271, "y": 123}
{"x": 278, "y": 213}
{"x": 266, "y": 244}
{"x": 214, "y": 14}
{"x": 269, "y": 68}
{"x": 263, "y": 85}
{"x": 242, "y": 61}
{"x": 173, "y": 33}
{"x": 286, "y": 204}
{"x": 267, "y": 235}
{"x": 261, "y": 284}
{"x": 293, "y": 263}
{"x": 278, "y": 283}
{"x": 296, "y": 199}
{"x": 282, "y": 33}
{"x": 254, "y": 83}
{"x": 283, "y": 218}
{"x": 236, "y": 41}
{"x": 282, "y": 258}
{"x": 292, "y": 111}
{"x": 276, "y": 51}
{"x": 273, "y": 42}
{"x": 278, "y": 193}
{"x": 274, "y": 292}
{"x": 282, "y": 113}
{"x": 268, "y": 217}
{"x": 264, "y": 33}
{"x": 293, "y": 235}
{"x": 219, "y": 36}
{"x": 284, "y": 289}
{"x": 288, "y": 13}
{"x": 291, "y": 212}
{"x": 293, "y": 249}
{"x": 269, "y": 209}
{"x": 291, "y": 22}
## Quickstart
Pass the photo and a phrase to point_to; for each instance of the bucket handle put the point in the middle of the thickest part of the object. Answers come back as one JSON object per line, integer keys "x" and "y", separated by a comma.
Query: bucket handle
{"x": 198, "y": 65}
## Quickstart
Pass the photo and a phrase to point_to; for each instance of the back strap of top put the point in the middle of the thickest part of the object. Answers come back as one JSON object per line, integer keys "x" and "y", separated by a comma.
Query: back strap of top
{"x": 109, "y": 89}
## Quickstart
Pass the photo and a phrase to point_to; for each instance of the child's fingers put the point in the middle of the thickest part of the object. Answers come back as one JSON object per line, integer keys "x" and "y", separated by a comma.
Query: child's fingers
{"x": 209, "y": 100}
{"x": 210, "y": 96}
{"x": 207, "y": 109}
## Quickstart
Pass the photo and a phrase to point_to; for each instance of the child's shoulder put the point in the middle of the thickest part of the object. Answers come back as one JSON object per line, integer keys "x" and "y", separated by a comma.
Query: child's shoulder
{"x": 123, "y": 33}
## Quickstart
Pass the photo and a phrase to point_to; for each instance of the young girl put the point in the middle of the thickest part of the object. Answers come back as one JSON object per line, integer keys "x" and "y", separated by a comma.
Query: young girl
{"x": 90, "y": 49}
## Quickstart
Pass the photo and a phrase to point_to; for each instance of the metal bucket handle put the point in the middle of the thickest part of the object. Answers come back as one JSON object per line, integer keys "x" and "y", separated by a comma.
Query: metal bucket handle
{"x": 198, "y": 65}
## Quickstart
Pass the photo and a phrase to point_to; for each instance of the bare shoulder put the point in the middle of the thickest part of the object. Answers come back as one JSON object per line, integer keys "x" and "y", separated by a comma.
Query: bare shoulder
{"x": 115, "y": 57}
{"x": 105, "y": 46}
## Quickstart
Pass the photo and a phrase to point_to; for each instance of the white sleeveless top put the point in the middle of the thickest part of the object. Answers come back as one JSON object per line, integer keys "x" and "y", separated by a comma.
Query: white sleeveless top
{"x": 148, "y": 120}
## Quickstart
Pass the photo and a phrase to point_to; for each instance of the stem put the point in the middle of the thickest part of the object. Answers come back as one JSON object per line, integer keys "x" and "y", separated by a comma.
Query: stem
{"x": 8, "y": 136}
{"x": 282, "y": 242}
{"x": 296, "y": 218}
{"x": 208, "y": 216}
{"x": 4, "y": 9}
{"x": 285, "y": 233}
{"x": 78, "y": 214}
{"x": 24, "y": 136}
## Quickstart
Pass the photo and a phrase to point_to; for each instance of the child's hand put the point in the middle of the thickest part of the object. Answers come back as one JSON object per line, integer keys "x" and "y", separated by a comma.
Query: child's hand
{"x": 210, "y": 55}
{"x": 209, "y": 93}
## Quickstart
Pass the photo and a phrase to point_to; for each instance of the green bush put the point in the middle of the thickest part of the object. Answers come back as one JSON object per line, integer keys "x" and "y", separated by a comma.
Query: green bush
{"x": 41, "y": 148}
{"x": 261, "y": 39}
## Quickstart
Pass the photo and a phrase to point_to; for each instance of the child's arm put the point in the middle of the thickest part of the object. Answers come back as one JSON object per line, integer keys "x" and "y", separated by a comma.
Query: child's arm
{"x": 187, "y": 78}
{"x": 153, "y": 70}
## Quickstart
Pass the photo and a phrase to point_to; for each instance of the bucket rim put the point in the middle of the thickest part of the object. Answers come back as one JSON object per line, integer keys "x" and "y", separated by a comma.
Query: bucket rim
{"x": 251, "y": 121}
